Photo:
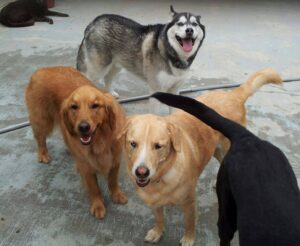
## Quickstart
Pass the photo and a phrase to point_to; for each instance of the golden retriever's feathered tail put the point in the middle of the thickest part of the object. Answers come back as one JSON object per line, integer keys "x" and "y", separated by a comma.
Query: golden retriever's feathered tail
{"x": 256, "y": 81}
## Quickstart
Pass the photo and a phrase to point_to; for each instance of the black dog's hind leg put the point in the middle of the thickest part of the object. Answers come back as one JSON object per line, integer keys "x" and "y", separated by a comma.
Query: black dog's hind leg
{"x": 54, "y": 13}
{"x": 227, "y": 222}
{"x": 44, "y": 19}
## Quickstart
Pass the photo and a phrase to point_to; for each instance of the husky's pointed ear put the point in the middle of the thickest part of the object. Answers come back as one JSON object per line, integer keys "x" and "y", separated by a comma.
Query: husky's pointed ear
{"x": 173, "y": 12}
{"x": 198, "y": 18}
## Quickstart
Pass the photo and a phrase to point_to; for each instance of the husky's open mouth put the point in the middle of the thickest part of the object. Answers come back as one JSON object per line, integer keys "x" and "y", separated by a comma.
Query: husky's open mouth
{"x": 186, "y": 43}
{"x": 142, "y": 182}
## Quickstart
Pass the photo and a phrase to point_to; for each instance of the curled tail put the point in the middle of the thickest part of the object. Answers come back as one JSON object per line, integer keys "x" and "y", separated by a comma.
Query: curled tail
{"x": 228, "y": 128}
{"x": 257, "y": 80}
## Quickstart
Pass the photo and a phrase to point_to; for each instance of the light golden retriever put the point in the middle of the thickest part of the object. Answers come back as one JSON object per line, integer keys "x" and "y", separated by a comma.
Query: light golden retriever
{"x": 166, "y": 155}
{"x": 89, "y": 120}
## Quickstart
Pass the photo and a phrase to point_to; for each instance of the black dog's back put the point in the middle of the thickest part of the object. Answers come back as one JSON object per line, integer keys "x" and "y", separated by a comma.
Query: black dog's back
{"x": 256, "y": 186}
{"x": 258, "y": 195}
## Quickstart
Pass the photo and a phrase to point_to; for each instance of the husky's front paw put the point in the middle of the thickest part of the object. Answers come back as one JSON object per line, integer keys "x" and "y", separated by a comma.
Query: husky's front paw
{"x": 187, "y": 241}
{"x": 153, "y": 235}
{"x": 114, "y": 94}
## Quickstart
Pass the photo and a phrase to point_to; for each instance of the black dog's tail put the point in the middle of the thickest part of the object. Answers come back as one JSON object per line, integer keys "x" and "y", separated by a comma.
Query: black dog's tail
{"x": 228, "y": 128}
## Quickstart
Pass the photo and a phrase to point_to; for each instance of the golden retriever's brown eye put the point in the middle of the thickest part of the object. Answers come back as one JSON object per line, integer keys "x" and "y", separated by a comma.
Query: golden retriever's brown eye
{"x": 74, "y": 106}
{"x": 157, "y": 146}
{"x": 133, "y": 144}
{"x": 95, "y": 105}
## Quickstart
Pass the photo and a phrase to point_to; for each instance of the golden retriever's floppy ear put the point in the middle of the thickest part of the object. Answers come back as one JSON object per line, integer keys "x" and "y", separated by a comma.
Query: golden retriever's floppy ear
{"x": 64, "y": 115}
{"x": 175, "y": 136}
{"x": 125, "y": 127}
{"x": 111, "y": 117}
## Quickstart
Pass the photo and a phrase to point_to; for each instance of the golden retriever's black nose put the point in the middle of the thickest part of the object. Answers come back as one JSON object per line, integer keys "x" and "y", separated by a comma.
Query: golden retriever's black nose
{"x": 84, "y": 127}
{"x": 142, "y": 172}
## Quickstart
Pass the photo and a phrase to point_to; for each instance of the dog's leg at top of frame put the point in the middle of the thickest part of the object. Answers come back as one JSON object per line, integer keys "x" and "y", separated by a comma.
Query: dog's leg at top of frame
{"x": 108, "y": 80}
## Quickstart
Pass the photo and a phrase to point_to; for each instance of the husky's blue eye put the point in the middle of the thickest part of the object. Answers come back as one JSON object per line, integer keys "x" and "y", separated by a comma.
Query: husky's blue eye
{"x": 194, "y": 24}
{"x": 180, "y": 24}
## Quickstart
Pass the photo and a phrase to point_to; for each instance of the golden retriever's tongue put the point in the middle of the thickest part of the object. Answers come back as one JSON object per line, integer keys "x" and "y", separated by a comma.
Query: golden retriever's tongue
{"x": 187, "y": 45}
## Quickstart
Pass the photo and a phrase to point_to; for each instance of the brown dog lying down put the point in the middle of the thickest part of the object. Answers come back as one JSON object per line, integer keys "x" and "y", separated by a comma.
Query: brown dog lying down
{"x": 89, "y": 120}
{"x": 166, "y": 155}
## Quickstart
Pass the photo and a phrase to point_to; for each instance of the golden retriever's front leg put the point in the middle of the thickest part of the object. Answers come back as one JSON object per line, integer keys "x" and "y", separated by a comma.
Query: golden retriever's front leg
{"x": 90, "y": 181}
{"x": 156, "y": 232}
{"x": 40, "y": 135}
{"x": 190, "y": 213}
{"x": 117, "y": 195}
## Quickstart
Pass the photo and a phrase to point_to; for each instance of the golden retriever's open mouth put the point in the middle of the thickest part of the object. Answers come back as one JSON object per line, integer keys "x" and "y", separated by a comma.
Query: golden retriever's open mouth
{"x": 86, "y": 140}
{"x": 186, "y": 43}
{"x": 142, "y": 182}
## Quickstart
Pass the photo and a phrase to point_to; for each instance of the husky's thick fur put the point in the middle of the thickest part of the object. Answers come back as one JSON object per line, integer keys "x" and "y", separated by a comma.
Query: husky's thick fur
{"x": 160, "y": 54}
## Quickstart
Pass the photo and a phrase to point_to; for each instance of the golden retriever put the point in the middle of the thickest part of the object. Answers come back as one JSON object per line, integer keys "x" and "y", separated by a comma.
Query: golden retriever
{"x": 166, "y": 155}
{"x": 89, "y": 120}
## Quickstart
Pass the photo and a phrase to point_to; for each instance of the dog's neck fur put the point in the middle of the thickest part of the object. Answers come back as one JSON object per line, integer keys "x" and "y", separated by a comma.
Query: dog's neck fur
{"x": 170, "y": 53}
{"x": 166, "y": 165}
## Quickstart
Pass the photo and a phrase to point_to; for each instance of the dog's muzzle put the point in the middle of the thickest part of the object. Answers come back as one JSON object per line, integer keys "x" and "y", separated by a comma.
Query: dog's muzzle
{"x": 86, "y": 135}
{"x": 142, "y": 176}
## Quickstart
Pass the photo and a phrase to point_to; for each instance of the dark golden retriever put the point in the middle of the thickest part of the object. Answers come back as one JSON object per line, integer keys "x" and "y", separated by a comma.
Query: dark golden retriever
{"x": 89, "y": 120}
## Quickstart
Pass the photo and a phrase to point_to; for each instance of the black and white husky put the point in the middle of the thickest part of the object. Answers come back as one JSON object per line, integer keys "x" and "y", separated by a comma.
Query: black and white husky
{"x": 161, "y": 54}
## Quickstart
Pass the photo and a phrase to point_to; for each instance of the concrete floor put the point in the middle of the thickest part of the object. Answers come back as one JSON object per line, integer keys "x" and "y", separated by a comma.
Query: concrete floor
{"x": 47, "y": 205}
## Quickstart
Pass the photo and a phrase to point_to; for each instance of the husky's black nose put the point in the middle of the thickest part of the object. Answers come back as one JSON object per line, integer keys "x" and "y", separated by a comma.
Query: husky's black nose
{"x": 84, "y": 127}
{"x": 142, "y": 172}
{"x": 189, "y": 31}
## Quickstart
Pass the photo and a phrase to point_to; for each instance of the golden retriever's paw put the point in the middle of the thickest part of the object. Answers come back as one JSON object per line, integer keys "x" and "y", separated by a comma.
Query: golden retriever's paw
{"x": 153, "y": 235}
{"x": 187, "y": 241}
{"x": 98, "y": 209}
{"x": 119, "y": 197}
{"x": 45, "y": 158}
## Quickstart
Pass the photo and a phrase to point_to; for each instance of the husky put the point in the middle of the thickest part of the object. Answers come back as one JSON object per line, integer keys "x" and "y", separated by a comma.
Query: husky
{"x": 161, "y": 54}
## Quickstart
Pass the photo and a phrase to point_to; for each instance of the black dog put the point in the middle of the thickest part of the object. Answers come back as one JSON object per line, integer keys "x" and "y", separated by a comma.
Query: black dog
{"x": 256, "y": 186}
{"x": 23, "y": 13}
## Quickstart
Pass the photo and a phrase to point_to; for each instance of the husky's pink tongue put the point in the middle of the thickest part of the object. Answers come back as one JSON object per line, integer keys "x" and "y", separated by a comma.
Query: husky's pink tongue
{"x": 187, "y": 45}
